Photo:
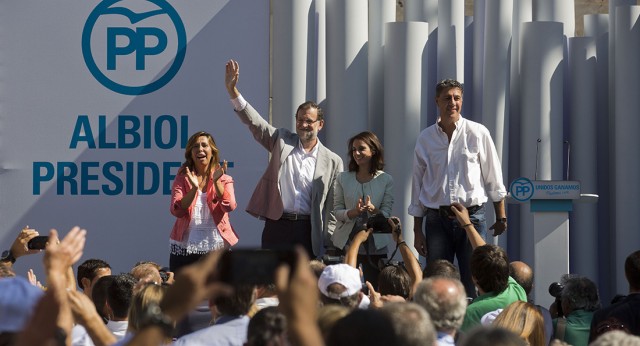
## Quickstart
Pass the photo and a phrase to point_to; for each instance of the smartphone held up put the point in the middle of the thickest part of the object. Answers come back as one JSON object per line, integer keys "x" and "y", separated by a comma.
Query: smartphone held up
{"x": 253, "y": 266}
{"x": 38, "y": 243}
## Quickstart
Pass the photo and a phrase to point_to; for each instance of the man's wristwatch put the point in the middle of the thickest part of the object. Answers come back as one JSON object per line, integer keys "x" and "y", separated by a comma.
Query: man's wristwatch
{"x": 7, "y": 256}
{"x": 502, "y": 220}
{"x": 153, "y": 316}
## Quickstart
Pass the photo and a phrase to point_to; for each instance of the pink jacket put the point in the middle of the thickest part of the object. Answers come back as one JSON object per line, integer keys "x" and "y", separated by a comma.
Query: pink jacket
{"x": 218, "y": 205}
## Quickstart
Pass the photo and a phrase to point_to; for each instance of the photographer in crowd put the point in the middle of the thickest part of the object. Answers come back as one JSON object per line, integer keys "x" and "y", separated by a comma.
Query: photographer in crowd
{"x": 579, "y": 300}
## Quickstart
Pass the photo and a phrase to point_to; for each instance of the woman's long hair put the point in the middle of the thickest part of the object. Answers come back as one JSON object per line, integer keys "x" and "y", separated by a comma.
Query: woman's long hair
{"x": 215, "y": 158}
{"x": 524, "y": 319}
{"x": 377, "y": 157}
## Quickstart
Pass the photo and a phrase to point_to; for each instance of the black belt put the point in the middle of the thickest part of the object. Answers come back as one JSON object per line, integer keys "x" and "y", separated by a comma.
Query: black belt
{"x": 445, "y": 210}
{"x": 294, "y": 217}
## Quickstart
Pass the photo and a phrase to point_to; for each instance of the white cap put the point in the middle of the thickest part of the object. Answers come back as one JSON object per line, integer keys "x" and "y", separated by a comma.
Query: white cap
{"x": 343, "y": 274}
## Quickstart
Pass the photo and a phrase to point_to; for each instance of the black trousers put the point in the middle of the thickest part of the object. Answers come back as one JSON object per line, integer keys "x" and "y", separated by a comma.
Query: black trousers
{"x": 178, "y": 261}
{"x": 283, "y": 234}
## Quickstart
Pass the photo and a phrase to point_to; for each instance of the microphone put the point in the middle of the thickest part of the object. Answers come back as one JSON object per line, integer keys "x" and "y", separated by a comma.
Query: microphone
{"x": 535, "y": 174}
{"x": 568, "y": 157}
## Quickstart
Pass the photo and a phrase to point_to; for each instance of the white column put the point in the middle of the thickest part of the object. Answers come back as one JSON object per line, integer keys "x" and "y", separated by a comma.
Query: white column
{"x": 541, "y": 64}
{"x": 291, "y": 56}
{"x": 522, "y": 13}
{"x": 627, "y": 141}
{"x": 542, "y": 101}
{"x": 321, "y": 48}
{"x": 468, "y": 68}
{"x": 427, "y": 11}
{"x": 451, "y": 40}
{"x": 422, "y": 11}
{"x": 613, "y": 224}
{"x": 495, "y": 108}
{"x": 612, "y": 57}
{"x": 562, "y": 11}
{"x": 404, "y": 48}
{"x": 597, "y": 26}
{"x": 476, "y": 92}
{"x": 380, "y": 12}
{"x": 582, "y": 161}
{"x": 347, "y": 73}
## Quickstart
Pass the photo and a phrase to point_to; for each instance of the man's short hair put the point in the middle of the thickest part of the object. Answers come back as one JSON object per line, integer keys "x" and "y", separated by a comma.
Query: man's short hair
{"x": 310, "y": 104}
{"x": 490, "y": 267}
{"x": 446, "y": 84}
{"x": 266, "y": 327}
{"x": 363, "y": 327}
{"x": 580, "y": 293}
{"x": 441, "y": 267}
{"x": 120, "y": 294}
{"x": 411, "y": 324}
{"x": 394, "y": 280}
{"x": 446, "y": 310}
{"x": 89, "y": 269}
{"x": 238, "y": 303}
{"x": 335, "y": 290}
{"x": 616, "y": 337}
{"x": 523, "y": 275}
{"x": 317, "y": 267}
{"x": 99, "y": 293}
{"x": 147, "y": 270}
{"x": 632, "y": 270}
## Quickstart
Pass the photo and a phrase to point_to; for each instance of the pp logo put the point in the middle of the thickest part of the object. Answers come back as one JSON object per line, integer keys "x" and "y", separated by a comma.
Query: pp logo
{"x": 521, "y": 189}
{"x": 134, "y": 47}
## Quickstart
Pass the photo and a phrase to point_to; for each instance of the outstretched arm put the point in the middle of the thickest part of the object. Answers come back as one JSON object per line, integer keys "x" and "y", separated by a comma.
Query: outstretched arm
{"x": 462, "y": 214}
{"x": 410, "y": 262}
{"x": 19, "y": 246}
{"x": 351, "y": 257}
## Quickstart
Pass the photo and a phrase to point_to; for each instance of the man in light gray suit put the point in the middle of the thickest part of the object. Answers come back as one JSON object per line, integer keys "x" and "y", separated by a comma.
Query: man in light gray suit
{"x": 295, "y": 194}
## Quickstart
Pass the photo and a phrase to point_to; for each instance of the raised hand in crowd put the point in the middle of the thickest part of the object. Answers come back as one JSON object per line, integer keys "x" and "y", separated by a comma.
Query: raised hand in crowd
{"x": 298, "y": 295}
{"x": 33, "y": 279}
{"x": 52, "y": 320}
{"x": 411, "y": 263}
{"x": 85, "y": 313}
{"x": 19, "y": 247}
{"x": 462, "y": 215}
{"x": 351, "y": 256}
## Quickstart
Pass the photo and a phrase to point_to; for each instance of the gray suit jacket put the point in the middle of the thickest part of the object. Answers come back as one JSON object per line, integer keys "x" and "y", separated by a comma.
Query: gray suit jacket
{"x": 266, "y": 201}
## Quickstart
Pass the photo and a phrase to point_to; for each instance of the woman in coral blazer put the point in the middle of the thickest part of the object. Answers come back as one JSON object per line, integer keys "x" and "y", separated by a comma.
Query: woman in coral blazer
{"x": 201, "y": 198}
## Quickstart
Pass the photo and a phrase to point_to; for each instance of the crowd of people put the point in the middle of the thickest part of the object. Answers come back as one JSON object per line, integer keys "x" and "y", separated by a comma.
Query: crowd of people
{"x": 330, "y": 233}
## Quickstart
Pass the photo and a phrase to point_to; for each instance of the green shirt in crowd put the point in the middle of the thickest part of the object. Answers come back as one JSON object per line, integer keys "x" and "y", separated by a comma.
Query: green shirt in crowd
{"x": 492, "y": 301}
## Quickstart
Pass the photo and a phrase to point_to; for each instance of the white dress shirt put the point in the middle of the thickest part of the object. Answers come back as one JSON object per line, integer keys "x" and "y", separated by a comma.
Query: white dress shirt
{"x": 466, "y": 170}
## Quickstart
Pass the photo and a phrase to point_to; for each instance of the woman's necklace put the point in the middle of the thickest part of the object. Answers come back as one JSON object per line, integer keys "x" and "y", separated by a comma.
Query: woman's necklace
{"x": 364, "y": 177}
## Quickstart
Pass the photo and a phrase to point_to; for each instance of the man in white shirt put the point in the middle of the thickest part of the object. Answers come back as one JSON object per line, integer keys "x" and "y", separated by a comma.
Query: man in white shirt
{"x": 455, "y": 160}
{"x": 295, "y": 194}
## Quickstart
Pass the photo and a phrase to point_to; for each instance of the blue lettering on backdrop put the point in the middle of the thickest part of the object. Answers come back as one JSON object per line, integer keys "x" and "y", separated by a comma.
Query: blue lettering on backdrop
{"x": 141, "y": 178}
{"x": 130, "y": 133}
{"x": 114, "y": 178}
